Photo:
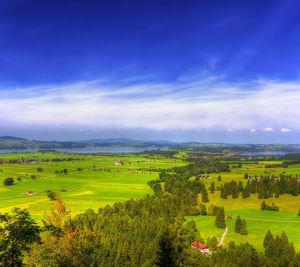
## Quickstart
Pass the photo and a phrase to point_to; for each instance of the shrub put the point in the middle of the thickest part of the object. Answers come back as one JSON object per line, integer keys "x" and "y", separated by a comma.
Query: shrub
{"x": 8, "y": 181}
{"x": 51, "y": 195}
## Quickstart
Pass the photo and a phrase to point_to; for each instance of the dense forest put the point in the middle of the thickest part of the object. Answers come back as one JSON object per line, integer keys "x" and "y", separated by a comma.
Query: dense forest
{"x": 151, "y": 231}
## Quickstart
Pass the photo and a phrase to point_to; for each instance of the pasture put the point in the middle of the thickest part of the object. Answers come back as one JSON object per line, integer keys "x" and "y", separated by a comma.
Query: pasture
{"x": 90, "y": 181}
{"x": 258, "y": 221}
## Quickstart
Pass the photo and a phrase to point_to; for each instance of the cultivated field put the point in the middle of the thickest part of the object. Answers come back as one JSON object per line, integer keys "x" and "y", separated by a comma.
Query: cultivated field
{"x": 90, "y": 181}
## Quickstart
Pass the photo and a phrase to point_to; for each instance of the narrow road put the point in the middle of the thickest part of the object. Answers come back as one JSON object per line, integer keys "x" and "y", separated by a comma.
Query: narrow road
{"x": 223, "y": 236}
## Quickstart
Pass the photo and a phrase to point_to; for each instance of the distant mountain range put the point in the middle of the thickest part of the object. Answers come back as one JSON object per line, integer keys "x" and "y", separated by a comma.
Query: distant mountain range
{"x": 123, "y": 141}
{"x": 11, "y": 138}
{"x": 12, "y": 142}
{"x": 17, "y": 142}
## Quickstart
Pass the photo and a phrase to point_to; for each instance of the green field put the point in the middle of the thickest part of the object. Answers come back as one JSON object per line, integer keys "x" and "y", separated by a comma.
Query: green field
{"x": 98, "y": 183}
{"x": 93, "y": 181}
{"x": 258, "y": 221}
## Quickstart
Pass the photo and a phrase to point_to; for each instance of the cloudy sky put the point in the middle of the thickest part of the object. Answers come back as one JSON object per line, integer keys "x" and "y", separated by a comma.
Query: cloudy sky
{"x": 207, "y": 71}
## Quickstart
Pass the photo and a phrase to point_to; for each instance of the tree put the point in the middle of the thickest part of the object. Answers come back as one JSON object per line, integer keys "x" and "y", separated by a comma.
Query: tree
{"x": 51, "y": 195}
{"x": 299, "y": 212}
{"x": 222, "y": 193}
{"x": 203, "y": 209}
{"x": 263, "y": 205}
{"x": 8, "y": 181}
{"x": 269, "y": 239}
{"x": 212, "y": 243}
{"x": 220, "y": 218}
{"x": 18, "y": 232}
{"x": 246, "y": 176}
{"x": 219, "y": 178}
{"x": 240, "y": 186}
{"x": 238, "y": 225}
{"x": 204, "y": 194}
{"x": 235, "y": 192}
{"x": 157, "y": 188}
{"x": 244, "y": 228}
{"x": 212, "y": 187}
{"x": 246, "y": 192}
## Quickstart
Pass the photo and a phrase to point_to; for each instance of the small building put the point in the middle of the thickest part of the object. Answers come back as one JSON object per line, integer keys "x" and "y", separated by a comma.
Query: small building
{"x": 118, "y": 163}
{"x": 30, "y": 193}
{"x": 228, "y": 217}
{"x": 201, "y": 247}
{"x": 63, "y": 190}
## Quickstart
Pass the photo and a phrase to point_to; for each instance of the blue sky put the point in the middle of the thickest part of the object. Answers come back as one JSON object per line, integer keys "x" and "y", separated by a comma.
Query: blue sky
{"x": 208, "y": 71}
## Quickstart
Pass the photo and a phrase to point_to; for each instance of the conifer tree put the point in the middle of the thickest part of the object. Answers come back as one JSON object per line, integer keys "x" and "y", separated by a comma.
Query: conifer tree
{"x": 212, "y": 187}
{"x": 238, "y": 225}
{"x": 212, "y": 243}
{"x": 263, "y": 205}
{"x": 222, "y": 193}
{"x": 203, "y": 209}
{"x": 240, "y": 187}
{"x": 245, "y": 192}
{"x": 269, "y": 239}
{"x": 244, "y": 228}
{"x": 219, "y": 178}
{"x": 235, "y": 193}
{"x": 204, "y": 195}
{"x": 220, "y": 218}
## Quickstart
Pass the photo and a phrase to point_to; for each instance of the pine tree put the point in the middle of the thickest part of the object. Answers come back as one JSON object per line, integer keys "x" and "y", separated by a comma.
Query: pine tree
{"x": 220, "y": 218}
{"x": 299, "y": 212}
{"x": 240, "y": 187}
{"x": 235, "y": 193}
{"x": 244, "y": 228}
{"x": 238, "y": 225}
{"x": 219, "y": 178}
{"x": 263, "y": 205}
{"x": 212, "y": 187}
{"x": 269, "y": 239}
{"x": 212, "y": 243}
{"x": 222, "y": 193}
{"x": 203, "y": 209}
{"x": 204, "y": 195}
{"x": 246, "y": 192}
{"x": 246, "y": 176}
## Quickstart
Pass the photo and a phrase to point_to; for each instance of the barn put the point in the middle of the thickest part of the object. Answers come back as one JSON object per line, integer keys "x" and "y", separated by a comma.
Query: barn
{"x": 203, "y": 248}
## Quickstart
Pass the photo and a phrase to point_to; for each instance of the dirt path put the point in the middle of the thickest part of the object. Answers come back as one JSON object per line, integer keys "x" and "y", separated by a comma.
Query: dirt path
{"x": 223, "y": 236}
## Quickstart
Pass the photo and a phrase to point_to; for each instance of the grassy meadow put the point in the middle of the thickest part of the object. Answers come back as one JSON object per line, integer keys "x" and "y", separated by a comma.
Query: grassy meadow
{"x": 91, "y": 181}
{"x": 258, "y": 221}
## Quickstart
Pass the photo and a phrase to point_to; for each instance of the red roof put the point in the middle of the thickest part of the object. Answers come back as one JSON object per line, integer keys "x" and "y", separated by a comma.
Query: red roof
{"x": 199, "y": 245}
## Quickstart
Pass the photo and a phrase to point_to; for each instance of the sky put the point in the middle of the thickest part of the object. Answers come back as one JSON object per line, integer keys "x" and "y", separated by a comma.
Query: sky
{"x": 206, "y": 71}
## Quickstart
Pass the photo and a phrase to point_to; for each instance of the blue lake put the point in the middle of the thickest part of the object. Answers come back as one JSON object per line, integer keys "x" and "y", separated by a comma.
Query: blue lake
{"x": 86, "y": 150}
{"x": 265, "y": 153}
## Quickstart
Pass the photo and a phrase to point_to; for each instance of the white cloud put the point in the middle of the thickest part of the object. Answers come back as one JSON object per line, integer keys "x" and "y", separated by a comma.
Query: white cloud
{"x": 285, "y": 130}
{"x": 210, "y": 103}
{"x": 268, "y": 130}
{"x": 253, "y": 130}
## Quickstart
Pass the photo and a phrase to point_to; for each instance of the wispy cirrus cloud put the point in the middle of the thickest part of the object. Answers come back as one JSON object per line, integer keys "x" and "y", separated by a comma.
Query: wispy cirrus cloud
{"x": 210, "y": 103}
